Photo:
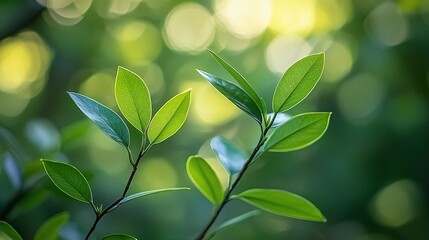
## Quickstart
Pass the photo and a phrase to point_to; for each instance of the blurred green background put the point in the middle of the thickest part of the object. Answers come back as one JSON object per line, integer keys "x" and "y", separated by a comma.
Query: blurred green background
{"x": 369, "y": 174}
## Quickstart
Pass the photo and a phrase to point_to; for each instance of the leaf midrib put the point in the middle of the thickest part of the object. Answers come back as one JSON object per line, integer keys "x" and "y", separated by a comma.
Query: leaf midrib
{"x": 71, "y": 184}
{"x": 296, "y": 86}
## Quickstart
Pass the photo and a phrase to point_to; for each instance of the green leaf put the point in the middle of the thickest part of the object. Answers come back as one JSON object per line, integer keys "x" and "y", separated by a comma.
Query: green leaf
{"x": 147, "y": 193}
{"x": 241, "y": 81}
{"x": 170, "y": 118}
{"x": 235, "y": 94}
{"x": 282, "y": 203}
{"x": 133, "y": 98}
{"x": 297, "y": 82}
{"x": 205, "y": 179}
{"x": 69, "y": 180}
{"x": 298, "y": 132}
{"x": 232, "y": 222}
{"x": 7, "y": 232}
{"x": 118, "y": 237}
{"x": 104, "y": 118}
{"x": 229, "y": 154}
{"x": 50, "y": 229}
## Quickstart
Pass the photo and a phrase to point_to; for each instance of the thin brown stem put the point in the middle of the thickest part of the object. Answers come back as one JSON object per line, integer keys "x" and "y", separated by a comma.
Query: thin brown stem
{"x": 236, "y": 182}
{"x": 113, "y": 205}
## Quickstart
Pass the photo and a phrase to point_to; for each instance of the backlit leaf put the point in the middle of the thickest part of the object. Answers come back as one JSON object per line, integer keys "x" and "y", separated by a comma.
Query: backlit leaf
{"x": 68, "y": 179}
{"x": 297, "y": 82}
{"x": 170, "y": 118}
{"x": 235, "y": 94}
{"x": 133, "y": 98}
{"x": 7, "y": 232}
{"x": 104, "y": 118}
{"x": 282, "y": 203}
{"x": 298, "y": 132}
{"x": 240, "y": 80}
{"x": 50, "y": 229}
{"x": 230, "y": 155}
{"x": 205, "y": 179}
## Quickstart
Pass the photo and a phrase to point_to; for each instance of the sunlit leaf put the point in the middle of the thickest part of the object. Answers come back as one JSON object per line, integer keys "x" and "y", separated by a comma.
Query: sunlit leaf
{"x": 104, "y": 118}
{"x": 13, "y": 170}
{"x": 7, "y": 232}
{"x": 232, "y": 222}
{"x": 50, "y": 229}
{"x": 170, "y": 118}
{"x": 229, "y": 154}
{"x": 133, "y": 98}
{"x": 68, "y": 179}
{"x": 205, "y": 179}
{"x": 297, "y": 82}
{"x": 282, "y": 203}
{"x": 235, "y": 94}
{"x": 244, "y": 84}
{"x": 118, "y": 237}
{"x": 298, "y": 132}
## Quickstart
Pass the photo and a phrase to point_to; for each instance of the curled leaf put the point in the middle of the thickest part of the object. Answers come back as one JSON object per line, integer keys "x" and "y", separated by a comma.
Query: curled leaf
{"x": 205, "y": 179}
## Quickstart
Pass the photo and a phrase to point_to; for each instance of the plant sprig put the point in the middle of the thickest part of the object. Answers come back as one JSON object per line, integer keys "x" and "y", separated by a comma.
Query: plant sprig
{"x": 289, "y": 134}
{"x": 133, "y": 99}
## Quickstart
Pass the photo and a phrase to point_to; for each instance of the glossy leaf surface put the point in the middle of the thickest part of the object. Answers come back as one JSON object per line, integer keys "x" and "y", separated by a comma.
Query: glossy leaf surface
{"x": 103, "y": 117}
{"x": 298, "y": 132}
{"x": 7, "y": 232}
{"x": 118, "y": 237}
{"x": 233, "y": 222}
{"x": 50, "y": 229}
{"x": 244, "y": 84}
{"x": 170, "y": 117}
{"x": 69, "y": 180}
{"x": 280, "y": 118}
{"x": 235, "y": 94}
{"x": 205, "y": 179}
{"x": 297, "y": 82}
{"x": 282, "y": 203}
{"x": 229, "y": 154}
{"x": 133, "y": 98}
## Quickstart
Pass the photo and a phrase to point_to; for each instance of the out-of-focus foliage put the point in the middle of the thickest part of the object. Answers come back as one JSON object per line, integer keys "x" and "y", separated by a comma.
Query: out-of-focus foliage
{"x": 368, "y": 175}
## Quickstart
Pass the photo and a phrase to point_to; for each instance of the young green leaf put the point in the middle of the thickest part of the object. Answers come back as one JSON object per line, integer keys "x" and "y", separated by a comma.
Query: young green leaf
{"x": 241, "y": 81}
{"x": 298, "y": 132}
{"x": 282, "y": 203}
{"x": 232, "y": 222}
{"x": 147, "y": 193}
{"x": 205, "y": 179}
{"x": 118, "y": 237}
{"x": 229, "y": 154}
{"x": 104, "y": 118}
{"x": 7, "y": 232}
{"x": 68, "y": 179}
{"x": 235, "y": 94}
{"x": 297, "y": 82}
{"x": 170, "y": 118}
{"x": 133, "y": 98}
{"x": 50, "y": 229}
